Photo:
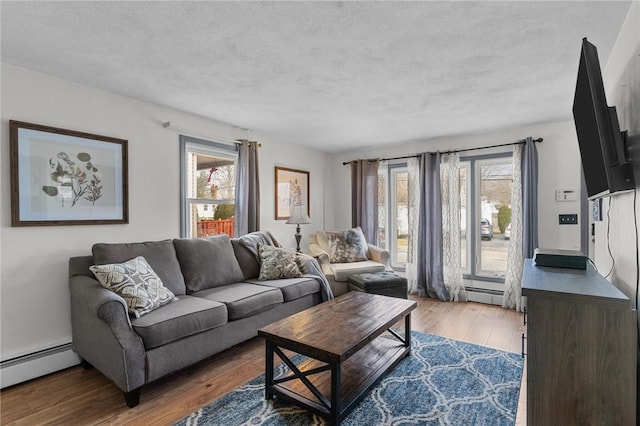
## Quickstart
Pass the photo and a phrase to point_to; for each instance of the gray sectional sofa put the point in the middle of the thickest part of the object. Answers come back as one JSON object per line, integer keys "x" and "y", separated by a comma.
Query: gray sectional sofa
{"x": 219, "y": 303}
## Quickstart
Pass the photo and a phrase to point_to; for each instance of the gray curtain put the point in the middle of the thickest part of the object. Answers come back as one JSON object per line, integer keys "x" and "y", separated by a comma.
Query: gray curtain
{"x": 364, "y": 198}
{"x": 529, "y": 198}
{"x": 430, "y": 276}
{"x": 247, "y": 210}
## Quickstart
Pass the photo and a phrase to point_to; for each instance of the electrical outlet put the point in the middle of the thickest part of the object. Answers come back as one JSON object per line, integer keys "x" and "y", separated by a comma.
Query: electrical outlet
{"x": 568, "y": 219}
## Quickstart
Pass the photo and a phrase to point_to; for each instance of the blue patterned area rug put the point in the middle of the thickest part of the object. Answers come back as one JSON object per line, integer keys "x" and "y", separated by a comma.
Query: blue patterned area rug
{"x": 443, "y": 382}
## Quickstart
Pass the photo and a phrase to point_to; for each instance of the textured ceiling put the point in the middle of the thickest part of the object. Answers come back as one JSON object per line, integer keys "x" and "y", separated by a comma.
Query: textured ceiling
{"x": 330, "y": 75}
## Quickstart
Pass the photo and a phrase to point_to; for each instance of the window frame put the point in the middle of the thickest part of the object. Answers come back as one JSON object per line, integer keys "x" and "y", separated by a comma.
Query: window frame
{"x": 206, "y": 147}
{"x": 474, "y": 252}
{"x": 391, "y": 233}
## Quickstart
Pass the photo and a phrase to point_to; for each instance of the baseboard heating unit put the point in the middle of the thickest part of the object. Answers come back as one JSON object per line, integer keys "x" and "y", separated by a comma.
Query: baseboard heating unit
{"x": 30, "y": 366}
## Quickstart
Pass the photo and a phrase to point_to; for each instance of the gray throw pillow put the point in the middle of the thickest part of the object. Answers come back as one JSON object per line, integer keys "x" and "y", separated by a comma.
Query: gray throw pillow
{"x": 136, "y": 282}
{"x": 277, "y": 263}
{"x": 249, "y": 264}
{"x": 207, "y": 262}
{"x": 161, "y": 256}
{"x": 346, "y": 246}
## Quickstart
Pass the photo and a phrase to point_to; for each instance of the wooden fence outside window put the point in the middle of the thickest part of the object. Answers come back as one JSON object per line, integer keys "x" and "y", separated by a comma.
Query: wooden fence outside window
{"x": 208, "y": 227}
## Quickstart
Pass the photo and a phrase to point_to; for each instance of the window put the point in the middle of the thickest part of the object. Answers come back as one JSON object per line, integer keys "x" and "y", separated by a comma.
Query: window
{"x": 394, "y": 225}
{"x": 485, "y": 215}
{"x": 208, "y": 187}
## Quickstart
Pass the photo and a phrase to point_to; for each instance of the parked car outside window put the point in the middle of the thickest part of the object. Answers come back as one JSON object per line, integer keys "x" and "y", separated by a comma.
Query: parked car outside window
{"x": 486, "y": 231}
{"x": 507, "y": 232}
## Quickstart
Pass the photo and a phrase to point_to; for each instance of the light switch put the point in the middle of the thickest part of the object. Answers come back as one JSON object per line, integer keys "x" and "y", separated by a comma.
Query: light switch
{"x": 566, "y": 195}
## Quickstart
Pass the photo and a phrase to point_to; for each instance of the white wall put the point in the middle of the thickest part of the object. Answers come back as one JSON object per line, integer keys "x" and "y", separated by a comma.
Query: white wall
{"x": 33, "y": 276}
{"x": 300, "y": 158}
{"x": 621, "y": 77}
{"x": 559, "y": 168}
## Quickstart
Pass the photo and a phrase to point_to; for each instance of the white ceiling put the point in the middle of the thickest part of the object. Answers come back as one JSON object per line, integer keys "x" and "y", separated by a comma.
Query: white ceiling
{"x": 330, "y": 75}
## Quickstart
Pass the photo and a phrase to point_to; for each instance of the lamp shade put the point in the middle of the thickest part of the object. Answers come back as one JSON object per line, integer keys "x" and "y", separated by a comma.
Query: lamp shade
{"x": 299, "y": 215}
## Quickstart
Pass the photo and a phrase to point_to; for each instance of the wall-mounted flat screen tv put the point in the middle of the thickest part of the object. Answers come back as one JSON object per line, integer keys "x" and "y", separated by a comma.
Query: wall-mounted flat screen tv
{"x": 602, "y": 145}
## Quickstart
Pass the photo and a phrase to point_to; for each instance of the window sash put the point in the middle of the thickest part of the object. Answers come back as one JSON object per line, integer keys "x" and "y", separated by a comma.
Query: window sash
{"x": 193, "y": 146}
{"x": 474, "y": 261}
{"x": 391, "y": 225}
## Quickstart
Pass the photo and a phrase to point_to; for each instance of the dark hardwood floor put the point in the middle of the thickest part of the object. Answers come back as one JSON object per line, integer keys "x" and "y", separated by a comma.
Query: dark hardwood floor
{"x": 84, "y": 397}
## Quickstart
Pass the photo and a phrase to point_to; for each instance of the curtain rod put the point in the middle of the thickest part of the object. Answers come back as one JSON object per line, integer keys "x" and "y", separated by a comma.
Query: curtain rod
{"x": 521, "y": 141}
{"x": 170, "y": 126}
{"x": 344, "y": 163}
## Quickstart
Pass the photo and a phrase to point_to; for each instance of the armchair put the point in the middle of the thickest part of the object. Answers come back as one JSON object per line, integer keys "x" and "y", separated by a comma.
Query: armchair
{"x": 338, "y": 272}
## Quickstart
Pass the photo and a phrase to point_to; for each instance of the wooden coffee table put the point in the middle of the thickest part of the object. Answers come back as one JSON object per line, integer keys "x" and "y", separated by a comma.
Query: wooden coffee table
{"x": 346, "y": 355}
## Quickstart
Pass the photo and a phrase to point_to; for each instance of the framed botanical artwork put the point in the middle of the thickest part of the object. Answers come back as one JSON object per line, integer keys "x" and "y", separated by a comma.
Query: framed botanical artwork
{"x": 292, "y": 188}
{"x": 65, "y": 177}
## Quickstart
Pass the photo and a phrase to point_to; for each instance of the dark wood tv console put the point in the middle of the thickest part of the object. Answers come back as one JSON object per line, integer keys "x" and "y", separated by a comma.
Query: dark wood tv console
{"x": 581, "y": 348}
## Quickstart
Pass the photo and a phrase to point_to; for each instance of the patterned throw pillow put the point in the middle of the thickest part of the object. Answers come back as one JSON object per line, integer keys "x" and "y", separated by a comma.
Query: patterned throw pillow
{"x": 136, "y": 283}
{"x": 346, "y": 246}
{"x": 277, "y": 263}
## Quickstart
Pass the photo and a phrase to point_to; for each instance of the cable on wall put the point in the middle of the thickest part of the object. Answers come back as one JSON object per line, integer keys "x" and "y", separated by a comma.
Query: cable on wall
{"x": 613, "y": 260}
{"x": 635, "y": 223}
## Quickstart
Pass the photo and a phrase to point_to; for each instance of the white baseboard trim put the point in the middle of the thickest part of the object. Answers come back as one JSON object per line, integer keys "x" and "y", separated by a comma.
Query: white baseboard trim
{"x": 487, "y": 298}
{"x": 31, "y": 366}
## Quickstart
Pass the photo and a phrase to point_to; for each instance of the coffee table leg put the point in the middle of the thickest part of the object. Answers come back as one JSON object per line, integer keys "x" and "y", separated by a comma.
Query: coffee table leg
{"x": 335, "y": 394}
{"x": 407, "y": 332}
{"x": 268, "y": 371}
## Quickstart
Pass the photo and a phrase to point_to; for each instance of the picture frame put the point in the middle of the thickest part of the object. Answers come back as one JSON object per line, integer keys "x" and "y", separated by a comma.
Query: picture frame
{"x": 66, "y": 177}
{"x": 291, "y": 187}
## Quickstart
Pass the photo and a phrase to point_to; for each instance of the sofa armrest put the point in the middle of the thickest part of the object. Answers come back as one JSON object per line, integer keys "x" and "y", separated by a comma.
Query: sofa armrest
{"x": 92, "y": 295}
{"x": 102, "y": 333}
{"x": 338, "y": 288}
{"x": 380, "y": 255}
{"x": 318, "y": 253}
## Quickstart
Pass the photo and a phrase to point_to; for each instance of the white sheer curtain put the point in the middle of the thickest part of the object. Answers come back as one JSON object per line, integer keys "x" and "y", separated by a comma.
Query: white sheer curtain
{"x": 413, "y": 206}
{"x": 513, "y": 290}
{"x": 450, "y": 181}
{"x": 383, "y": 173}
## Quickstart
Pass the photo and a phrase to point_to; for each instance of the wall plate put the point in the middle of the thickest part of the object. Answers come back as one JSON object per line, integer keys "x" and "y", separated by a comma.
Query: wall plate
{"x": 568, "y": 219}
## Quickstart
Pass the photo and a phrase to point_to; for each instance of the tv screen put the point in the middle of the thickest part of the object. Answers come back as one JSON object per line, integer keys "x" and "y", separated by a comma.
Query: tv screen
{"x": 604, "y": 163}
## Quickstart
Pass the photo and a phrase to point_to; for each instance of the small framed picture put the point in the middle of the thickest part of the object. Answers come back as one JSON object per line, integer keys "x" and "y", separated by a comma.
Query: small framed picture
{"x": 66, "y": 177}
{"x": 292, "y": 188}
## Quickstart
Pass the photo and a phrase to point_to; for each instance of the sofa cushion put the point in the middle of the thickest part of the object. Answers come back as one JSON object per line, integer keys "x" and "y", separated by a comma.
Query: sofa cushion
{"x": 292, "y": 288}
{"x": 161, "y": 256}
{"x": 277, "y": 262}
{"x": 136, "y": 282}
{"x": 246, "y": 259}
{"x": 243, "y": 299}
{"x": 342, "y": 271}
{"x": 347, "y": 246}
{"x": 207, "y": 262}
{"x": 187, "y": 316}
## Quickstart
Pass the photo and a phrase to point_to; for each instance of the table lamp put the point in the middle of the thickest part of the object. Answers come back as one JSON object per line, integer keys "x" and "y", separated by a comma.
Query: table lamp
{"x": 298, "y": 217}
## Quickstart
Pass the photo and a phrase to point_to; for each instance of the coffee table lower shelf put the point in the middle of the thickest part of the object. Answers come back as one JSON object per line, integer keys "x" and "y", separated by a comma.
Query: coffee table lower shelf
{"x": 311, "y": 384}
